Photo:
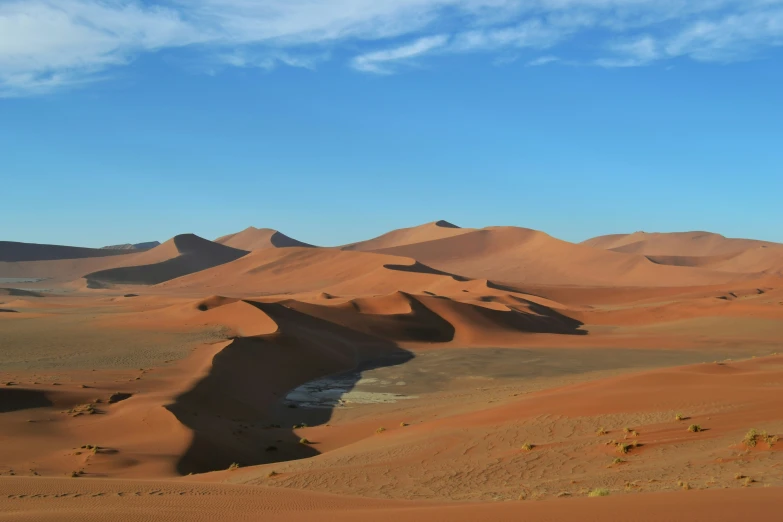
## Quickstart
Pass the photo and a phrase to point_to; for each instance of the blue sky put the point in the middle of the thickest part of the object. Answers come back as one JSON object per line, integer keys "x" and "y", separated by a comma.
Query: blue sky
{"x": 333, "y": 121}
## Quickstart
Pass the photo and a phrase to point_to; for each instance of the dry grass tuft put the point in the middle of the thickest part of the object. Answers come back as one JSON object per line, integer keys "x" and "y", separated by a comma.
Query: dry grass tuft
{"x": 694, "y": 428}
{"x": 527, "y": 446}
{"x": 598, "y": 492}
{"x": 233, "y": 466}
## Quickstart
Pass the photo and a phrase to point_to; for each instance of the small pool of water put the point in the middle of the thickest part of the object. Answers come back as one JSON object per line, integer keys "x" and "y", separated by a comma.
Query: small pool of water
{"x": 345, "y": 390}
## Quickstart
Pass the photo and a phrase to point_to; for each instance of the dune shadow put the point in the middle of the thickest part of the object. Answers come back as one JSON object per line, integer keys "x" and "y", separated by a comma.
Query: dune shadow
{"x": 421, "y": 268}
{"x": 238, "y": 412}
{"x": 14, "y": 399}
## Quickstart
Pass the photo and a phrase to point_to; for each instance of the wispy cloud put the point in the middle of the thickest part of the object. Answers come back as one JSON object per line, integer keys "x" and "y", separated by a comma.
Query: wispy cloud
{"x": 543, "y": 60}
{"x": 380, "y": 62}
{"x": 50, "y": 44}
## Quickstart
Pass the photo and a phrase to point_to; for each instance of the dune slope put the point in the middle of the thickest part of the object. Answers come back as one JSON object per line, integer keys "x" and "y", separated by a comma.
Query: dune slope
{"x": 519, "y": 255}
{"x": 193, "y": 254}
{"x": 259, "y": 238}
{"x": 407, "y": 236}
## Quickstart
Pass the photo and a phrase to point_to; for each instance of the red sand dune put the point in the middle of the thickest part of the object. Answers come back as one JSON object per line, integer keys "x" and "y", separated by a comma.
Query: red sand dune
{"x": 519, "y": 255}
{"x": 407, "y": 236}
{"x": 597, "y": 339}
{"x": 179, "y": 256}
{"x": 300, "y": 270}
{"x": 258, "y": 239}
{"x": 675, "y": 243}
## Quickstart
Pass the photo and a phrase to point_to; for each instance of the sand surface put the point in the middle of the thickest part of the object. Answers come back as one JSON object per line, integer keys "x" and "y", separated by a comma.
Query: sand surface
{"x": 432, "y": 373}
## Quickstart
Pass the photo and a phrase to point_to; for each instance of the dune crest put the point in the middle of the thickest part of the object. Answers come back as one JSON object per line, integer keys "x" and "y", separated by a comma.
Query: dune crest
{"x": 179, "y": 256}
{"x": 258, "y": 239}
{"x": 406, "y": 236}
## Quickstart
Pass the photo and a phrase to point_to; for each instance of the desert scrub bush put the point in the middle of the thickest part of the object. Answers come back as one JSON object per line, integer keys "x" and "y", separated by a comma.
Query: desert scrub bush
{"x": 304, "y": 441}
{"x": 617, "y": 460}
{"x": 694, "y": 428}
{"x": 598, "y": 492}
{"x": 380, "y": 430}
{"x": 527, "y": 446}
{"x": 754, "y": 436}
{"x": 679, "y": 417}
{"x": 272, "y": 474}
{"x": 233, "y": 466}
{"x": 403, "y": 424}
{"x": 601, "y": 431}
{"x": 623, "y": 448}
{"x": 627, "y": 430}
{"x": 300, "y": 426}
{"x": 683, "y": 485}
{"x": 747, "y": 482}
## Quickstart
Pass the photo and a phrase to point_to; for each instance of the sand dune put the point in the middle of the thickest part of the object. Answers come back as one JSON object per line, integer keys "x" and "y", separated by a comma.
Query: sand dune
{"x": 427, "y": 319}
{"x": 332, "y": 271}
{"x": 432, "y": 373}
{"x": 182, "y": 255}
{"x": 675, "y": 244}
{"x": 519, "y": 255}
{"x": 11, "y": 251}
{"x": 407, "y": 236}
{"x": 259, "y": 238}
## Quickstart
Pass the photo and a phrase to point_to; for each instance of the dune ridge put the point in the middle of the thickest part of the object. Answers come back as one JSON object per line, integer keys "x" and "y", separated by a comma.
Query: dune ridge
{"x": 406, "y": 236}
{"x": 181, "y": 255}
{"x": 253, "y": 238}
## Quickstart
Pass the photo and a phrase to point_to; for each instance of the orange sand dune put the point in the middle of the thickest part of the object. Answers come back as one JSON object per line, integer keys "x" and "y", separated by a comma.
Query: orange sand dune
{"x": 407, "y": 318}
{"x": 675, "y": 244}
{"x": 259, "y": 238}
{"x": 406, "y": 236}
{"x": 179, "y": 256}
{"x": 333, "y": 271}
{"x": 11, "y": 251}
{"x": 519, "y": 255}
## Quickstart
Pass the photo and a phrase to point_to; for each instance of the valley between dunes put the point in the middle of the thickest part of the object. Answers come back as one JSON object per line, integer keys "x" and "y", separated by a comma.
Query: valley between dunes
{"x": 431, "y": 373}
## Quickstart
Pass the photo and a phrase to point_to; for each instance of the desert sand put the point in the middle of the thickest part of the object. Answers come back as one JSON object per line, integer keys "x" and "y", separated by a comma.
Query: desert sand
{"x": 431, "y": 373}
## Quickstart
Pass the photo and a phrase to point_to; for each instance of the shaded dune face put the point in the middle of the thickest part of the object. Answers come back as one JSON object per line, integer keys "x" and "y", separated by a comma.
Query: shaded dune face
{"x": 245, "y": 379}
{"x": 194, "y": 254}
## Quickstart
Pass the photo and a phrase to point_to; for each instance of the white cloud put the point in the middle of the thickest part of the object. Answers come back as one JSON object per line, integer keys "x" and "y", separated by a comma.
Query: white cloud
{"x": 379, "y": 61}
{"x": 543, "y": 60}
{"x": 49, "y": 44}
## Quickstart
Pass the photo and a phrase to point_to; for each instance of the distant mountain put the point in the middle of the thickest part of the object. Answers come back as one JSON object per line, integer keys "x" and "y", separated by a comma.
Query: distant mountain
{"x": 128, "y": 246}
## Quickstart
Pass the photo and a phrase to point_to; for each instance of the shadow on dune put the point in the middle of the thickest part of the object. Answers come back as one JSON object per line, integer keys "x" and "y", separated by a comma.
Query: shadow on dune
{"x": 421, "y": 268}
{"x": 19, "y": 399}
{"x": 236, "y": 412}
